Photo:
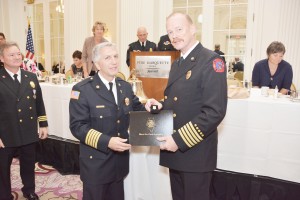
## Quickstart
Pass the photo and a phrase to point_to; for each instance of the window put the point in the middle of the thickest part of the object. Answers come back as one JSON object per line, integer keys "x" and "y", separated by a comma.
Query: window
{"x": 57, "y": 32}
{"x": 229, "y": 24}
{"x": 194, "y": 9}
{"x": 230, "y": 20}
{"x": 52, "y": 12}
{"x": 38, "y": 33}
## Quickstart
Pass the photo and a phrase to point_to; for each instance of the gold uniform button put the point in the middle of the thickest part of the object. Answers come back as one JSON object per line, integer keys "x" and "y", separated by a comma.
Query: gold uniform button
{"x": 174, "y": 131}
{"x": 119, "y": 134}
{"x": 19, "y": 110}
{"x": 91, "y": 157}
{"x": 175, "y": 98}
{"x": 118, "y": 121}
{"x": 21, "y": 120}
{"x": 31, "y": 117}
{"x": 166, "y": 97}
{"x": 28, "y": 97}
{"x": 30, "y": 108}
{"x": 174, "y": 115}
{"x": 101, "y": 117}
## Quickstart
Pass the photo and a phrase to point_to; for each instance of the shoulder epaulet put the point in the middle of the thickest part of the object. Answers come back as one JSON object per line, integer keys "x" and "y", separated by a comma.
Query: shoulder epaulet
{"x": 85, "y": 81}
{"x": 119, "y": 79}
{"x": 28, "y": 73}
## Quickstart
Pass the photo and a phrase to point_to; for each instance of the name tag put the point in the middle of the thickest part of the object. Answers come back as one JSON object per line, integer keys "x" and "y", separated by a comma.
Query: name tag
{"x": 100, "y": 106}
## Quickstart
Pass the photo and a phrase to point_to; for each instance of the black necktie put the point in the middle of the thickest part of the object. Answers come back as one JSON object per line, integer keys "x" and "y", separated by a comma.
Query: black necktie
{"x": 143, "y": 45}
{"x": 110, "y": 90}
{"x": 17, "y": 83}
{"x": 180, "y": 60}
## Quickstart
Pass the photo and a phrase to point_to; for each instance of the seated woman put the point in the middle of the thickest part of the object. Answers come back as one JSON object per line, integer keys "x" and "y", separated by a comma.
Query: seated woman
{"x": 273, "y": 71}
{"x": 77, "y": 65}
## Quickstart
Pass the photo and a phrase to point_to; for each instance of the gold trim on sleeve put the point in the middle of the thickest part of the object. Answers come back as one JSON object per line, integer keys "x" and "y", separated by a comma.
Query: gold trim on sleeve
{"x": 189, "y": 134}
{"x": 193, "y": 132}
{"x": 92, "y": 138}
{"x": 42, "y": 118}
{"x": 186, "y": 137}
{"x": 185, "y": 141}
{"x": 197, "y": 132}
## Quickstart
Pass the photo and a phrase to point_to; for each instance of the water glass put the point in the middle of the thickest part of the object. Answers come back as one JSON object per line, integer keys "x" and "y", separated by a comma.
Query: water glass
{"x": 78, "y": 76}
{"x": 265, "y": 91}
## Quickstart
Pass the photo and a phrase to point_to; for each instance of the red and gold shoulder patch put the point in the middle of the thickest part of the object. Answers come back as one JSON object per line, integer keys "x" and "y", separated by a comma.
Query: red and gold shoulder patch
{"x": 219, "y": 65}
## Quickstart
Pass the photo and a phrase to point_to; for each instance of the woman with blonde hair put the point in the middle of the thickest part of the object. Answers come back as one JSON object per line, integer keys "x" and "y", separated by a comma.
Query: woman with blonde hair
{"x": 99, "y": 29}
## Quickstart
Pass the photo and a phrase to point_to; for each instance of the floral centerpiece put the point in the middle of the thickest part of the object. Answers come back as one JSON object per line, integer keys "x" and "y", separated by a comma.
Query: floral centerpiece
{"x": 30, "y": 65}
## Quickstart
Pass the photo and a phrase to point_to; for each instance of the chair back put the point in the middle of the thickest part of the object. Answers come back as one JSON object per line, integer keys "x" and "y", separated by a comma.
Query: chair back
{"x": 239, "y": 76}
{"x": 44, "y": 73}
{"x": 234, "y": 83}
{"x": 69, "y": 73}
{"x": 293, "y": 87}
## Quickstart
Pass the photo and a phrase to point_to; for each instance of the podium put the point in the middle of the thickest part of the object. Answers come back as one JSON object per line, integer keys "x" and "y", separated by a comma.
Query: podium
{"x": 153, "y": 68}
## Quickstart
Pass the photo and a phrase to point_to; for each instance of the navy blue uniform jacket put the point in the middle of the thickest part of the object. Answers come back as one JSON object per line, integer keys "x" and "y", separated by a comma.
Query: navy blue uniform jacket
{"x": 197, "y": 94}
{"x": 20, "y": 112}
{"x": 136, "y": 46}
{"x": 94, "y": 119}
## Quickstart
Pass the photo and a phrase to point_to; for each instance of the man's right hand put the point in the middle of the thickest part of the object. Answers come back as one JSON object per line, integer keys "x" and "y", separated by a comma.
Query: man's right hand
{"x": 1, "y": 144}
{"x": 118, "y": 144}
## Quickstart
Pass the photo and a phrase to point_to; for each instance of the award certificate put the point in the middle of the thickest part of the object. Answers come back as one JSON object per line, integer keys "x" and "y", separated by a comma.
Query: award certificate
{"x": 145, "y": 127}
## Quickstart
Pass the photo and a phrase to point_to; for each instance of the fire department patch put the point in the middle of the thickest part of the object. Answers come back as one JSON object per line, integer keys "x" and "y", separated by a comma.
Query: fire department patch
{"x": 218, "y": 65}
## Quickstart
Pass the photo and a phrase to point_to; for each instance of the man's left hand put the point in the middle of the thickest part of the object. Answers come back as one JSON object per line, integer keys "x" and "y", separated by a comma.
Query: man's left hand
{"x": 168, "y": 143}
{"x": 43, "y": 133}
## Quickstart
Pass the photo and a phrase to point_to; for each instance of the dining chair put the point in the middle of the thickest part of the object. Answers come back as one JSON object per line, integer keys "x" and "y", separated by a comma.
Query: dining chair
{"x": 293, "y": 87}
{"x": 69, "y": 73}
{"x": 239, "y": 76}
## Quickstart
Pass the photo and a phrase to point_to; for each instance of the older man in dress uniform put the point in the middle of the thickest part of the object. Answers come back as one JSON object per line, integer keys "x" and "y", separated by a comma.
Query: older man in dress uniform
{"x": 197, "y": 93}
{"x": 141, "y": 45}
{"x": 99, "y": 118}
{"x": 22, "y": 109}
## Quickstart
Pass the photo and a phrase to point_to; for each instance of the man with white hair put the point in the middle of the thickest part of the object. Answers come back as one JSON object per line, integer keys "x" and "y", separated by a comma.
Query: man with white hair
{"x": 141, "y": 45}
{"x": 99, "y": 119}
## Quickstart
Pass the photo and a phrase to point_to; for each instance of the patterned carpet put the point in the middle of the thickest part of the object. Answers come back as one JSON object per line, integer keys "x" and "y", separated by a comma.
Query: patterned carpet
{"x": 50, "y": 184}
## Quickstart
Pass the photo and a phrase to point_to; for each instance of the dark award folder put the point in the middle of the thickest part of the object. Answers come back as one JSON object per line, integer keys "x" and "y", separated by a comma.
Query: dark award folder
{"x": 145, "y": 127}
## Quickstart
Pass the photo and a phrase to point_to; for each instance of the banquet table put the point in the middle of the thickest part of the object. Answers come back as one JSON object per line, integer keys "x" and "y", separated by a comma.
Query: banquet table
{"x": 258, "y": 136}
{"x": 261, "y": 136}
{"x": 56, "y": 99}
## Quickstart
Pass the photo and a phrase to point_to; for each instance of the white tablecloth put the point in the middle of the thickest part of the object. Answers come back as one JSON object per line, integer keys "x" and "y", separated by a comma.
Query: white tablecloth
{"x": 259, "y": 135}
{"x": 56, "y": 100}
